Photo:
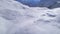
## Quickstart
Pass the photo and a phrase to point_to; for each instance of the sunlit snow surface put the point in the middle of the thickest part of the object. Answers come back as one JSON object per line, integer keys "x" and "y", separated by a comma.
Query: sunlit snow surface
{"x": 16, "y": 18}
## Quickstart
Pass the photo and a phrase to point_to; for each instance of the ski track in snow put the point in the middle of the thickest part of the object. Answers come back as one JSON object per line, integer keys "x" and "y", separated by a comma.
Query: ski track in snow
{"x": 16, "y": 18}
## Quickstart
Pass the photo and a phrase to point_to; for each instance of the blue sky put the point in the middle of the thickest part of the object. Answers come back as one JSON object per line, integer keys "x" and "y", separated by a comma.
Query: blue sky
{"x": 38, "y": 3}
{"x": 30, "y": 2}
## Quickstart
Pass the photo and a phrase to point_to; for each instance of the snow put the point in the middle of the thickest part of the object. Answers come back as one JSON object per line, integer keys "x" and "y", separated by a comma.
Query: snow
{"x": 16, "y": 18}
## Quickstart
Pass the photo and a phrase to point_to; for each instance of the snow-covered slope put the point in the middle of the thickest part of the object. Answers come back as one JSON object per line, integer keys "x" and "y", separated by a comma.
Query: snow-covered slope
{"x": 16, "y": 18}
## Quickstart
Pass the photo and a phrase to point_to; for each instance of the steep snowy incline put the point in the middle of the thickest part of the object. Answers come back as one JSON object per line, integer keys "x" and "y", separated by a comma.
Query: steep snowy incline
{"x": 16, "y": 18}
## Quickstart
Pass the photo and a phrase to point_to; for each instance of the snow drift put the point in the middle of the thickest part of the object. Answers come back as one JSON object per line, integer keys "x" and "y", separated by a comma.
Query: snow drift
{"x": 16, "y": 18}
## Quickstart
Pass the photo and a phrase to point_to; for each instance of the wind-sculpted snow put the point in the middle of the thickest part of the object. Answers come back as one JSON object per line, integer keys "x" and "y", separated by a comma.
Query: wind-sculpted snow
{"x": 16, "y": 18}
